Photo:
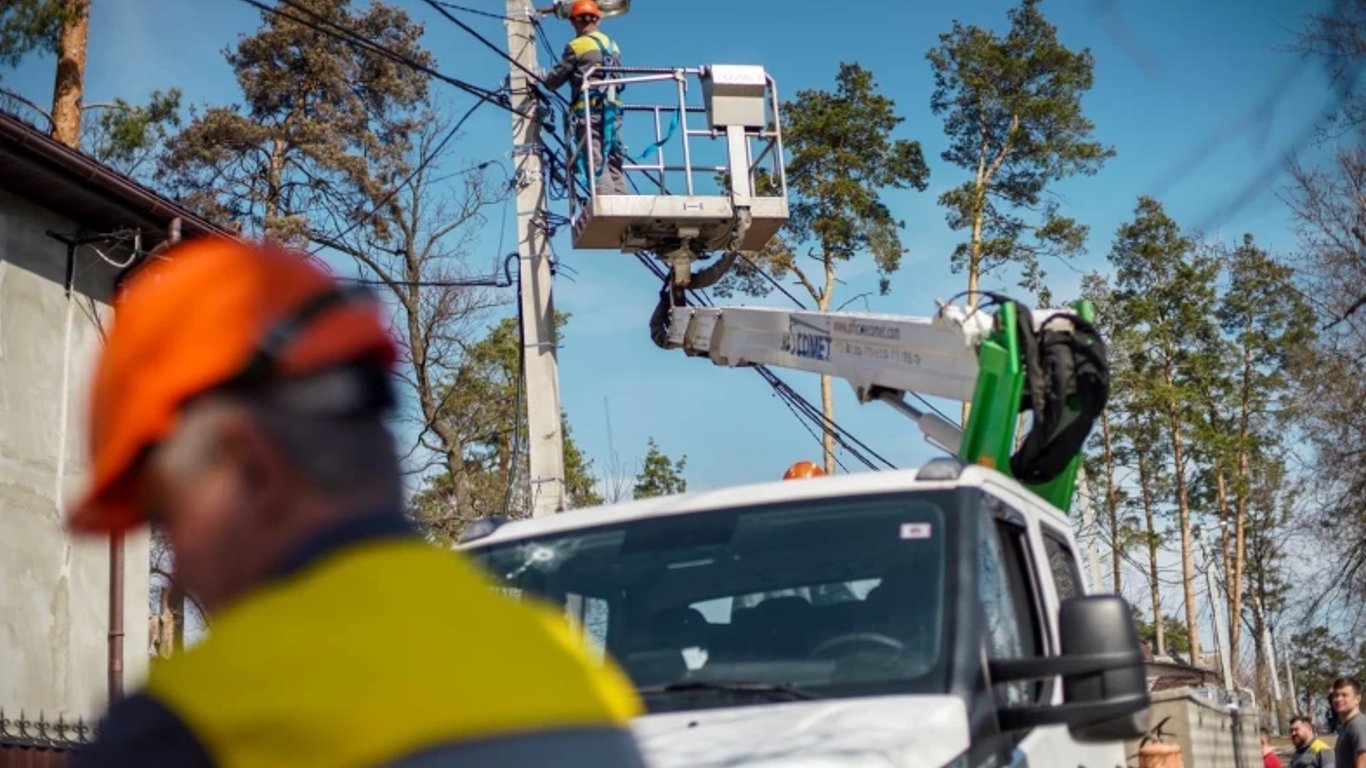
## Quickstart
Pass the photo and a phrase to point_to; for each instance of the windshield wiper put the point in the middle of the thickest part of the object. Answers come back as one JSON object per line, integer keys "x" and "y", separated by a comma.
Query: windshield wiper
{"x": 778, "y": 691}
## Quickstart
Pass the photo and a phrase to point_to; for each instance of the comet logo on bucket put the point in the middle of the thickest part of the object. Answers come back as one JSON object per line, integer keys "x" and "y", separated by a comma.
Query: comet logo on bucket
{"x": 808, "y": 341}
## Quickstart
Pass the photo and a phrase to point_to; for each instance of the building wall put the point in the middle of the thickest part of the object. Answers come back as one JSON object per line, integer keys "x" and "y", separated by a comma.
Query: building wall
{"x": 54, "y": 592}
{"x": 1204, "y": 730}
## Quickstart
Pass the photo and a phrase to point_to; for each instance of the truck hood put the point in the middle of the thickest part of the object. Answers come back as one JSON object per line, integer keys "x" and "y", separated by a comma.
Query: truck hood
{"x": 873, "y": 732}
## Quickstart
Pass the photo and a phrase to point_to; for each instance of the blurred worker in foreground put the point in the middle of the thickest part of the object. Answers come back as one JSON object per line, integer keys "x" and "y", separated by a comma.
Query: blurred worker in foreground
{"x": 591, "y": 48}
{"x": 1310, "y": 751}
{"x": 238, "y": 405}
{"x": 802, "y": 470}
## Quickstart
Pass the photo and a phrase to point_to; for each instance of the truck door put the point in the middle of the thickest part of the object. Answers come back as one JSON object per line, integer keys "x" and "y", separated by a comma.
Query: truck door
{"x": 1011, "y": 606}
{"x": 1054, "y": 568}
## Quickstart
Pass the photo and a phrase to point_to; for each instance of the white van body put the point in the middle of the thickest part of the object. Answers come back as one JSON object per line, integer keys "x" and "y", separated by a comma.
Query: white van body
{"x": 983, "y": 563}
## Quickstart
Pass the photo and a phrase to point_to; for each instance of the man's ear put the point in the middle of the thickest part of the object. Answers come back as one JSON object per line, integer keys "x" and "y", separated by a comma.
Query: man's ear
{"x": 263, "y": 470}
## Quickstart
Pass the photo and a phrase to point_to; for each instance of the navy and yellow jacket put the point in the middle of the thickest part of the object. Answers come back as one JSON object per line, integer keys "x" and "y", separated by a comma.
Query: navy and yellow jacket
{"x": 594, "y": 49}
{"x": 1315, "y": 754}
{"x": 376, "y": 649}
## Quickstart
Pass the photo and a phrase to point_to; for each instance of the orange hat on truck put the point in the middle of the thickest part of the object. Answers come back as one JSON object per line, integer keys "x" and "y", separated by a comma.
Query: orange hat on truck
{"x": 803, "y": 469}
{"x": 212, "y": 313}
{"x": 585, "y": 8}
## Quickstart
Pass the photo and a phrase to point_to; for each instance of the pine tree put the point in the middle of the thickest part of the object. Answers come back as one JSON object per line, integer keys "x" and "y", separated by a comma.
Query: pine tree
{"x": 485, "y": 418}
{"x": 324, "y": 124}
{"x": 660, "y": 475}
{"x": 1167, "y": 291}
{"x": 1012, "y": 110}
{"x": 843, "y": 155}
{"x": 1268, "y": 323}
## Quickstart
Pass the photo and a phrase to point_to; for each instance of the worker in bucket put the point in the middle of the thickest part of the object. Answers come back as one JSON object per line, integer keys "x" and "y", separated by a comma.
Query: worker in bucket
{"x": 239, "y": 405}
{"x": 592, "y": 48}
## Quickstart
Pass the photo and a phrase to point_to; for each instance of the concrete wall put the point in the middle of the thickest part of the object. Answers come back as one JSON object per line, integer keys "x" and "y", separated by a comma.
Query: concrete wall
{"x": 54, "y": 592}
{"x": 1203, "y": 730}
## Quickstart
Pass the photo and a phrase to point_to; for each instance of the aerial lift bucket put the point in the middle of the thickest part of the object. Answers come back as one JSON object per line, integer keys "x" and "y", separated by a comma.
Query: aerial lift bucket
{"x": 725, "y": 189}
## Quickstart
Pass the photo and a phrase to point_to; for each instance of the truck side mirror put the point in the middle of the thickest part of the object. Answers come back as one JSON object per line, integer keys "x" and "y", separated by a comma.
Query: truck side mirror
{"x": 1105, "y": 692}
{"x": 1102, "y": 626}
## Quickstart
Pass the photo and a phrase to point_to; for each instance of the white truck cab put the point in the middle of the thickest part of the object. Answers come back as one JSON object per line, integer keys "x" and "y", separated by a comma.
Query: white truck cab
{"x": 917, "y": 619}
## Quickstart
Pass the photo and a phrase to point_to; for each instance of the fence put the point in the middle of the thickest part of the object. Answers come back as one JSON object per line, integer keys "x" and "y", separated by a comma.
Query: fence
{"x": 39, "y": 743}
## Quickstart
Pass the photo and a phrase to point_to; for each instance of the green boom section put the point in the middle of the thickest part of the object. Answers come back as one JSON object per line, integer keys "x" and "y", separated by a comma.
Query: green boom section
{"x": 989, "y": 435}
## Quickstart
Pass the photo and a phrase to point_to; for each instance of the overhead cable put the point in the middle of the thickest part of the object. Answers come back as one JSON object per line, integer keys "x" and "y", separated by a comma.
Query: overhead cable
{"x": 340, "y": 32}
{"x": 422, "y": 165}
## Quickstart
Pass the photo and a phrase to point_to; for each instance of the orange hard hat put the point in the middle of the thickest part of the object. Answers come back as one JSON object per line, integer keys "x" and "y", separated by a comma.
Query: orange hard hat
{"x": 803, "y": 469}
{"x": 208, "y": 314}
{"x": 585, "y": 8}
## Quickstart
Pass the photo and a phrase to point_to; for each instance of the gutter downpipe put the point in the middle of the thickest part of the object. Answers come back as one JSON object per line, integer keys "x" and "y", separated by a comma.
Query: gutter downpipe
{"x": 116, "y": 567}
{"x": 116, "y": 560}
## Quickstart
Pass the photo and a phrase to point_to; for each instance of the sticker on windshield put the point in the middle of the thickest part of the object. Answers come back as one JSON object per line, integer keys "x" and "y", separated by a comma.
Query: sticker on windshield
{"x": 915, "y": 530}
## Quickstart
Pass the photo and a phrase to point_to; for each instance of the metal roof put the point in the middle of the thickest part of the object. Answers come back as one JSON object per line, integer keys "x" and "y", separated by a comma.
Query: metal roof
{"x": 48, "y": 173}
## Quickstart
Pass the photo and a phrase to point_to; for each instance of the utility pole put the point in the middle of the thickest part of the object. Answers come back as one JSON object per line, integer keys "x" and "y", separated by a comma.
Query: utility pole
{"x": 545, "y": 440}
{"x": 1276, "y": 701}
{"x": 1088, "y": 527}
{"x": 1215, "y": 607}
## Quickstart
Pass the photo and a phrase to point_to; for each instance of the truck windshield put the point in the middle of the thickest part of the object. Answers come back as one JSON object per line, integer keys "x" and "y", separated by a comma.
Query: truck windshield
{"x": 834, "y": 598}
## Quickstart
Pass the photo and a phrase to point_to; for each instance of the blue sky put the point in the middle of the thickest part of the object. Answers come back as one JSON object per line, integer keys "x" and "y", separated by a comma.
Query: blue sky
{"x": 1202, "y": 100}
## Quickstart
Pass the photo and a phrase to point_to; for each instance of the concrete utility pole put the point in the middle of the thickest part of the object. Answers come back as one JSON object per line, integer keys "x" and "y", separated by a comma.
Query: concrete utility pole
{"x": 545, "y": 441}
{"x": 1276, "y": 701}
{"x": 1290, "y": 679}
{"x": 1215, "y": 607}
{"x": 1087, "y": 534}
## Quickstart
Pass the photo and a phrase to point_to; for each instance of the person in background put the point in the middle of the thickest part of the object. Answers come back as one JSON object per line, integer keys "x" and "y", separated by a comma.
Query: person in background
{"x": 239, "y": 405}
{"x": 1310, "y": 751}
{"x": 1269, "y": 757}
{"x": 1350, "y": 751}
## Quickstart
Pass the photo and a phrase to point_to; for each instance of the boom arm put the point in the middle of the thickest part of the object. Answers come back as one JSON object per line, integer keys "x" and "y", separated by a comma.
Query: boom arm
{"x": 965, "y": 356}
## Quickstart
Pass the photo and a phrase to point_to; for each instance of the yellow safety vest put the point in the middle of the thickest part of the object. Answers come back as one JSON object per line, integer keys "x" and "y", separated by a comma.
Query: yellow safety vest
{"x": 378, "y": 651}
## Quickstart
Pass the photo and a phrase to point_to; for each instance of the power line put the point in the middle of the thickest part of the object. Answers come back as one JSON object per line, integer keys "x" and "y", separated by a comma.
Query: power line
{"x": 475, "y": 11}
{"x": 485, "y": 95}
{"x": 800, "y": 406}
{"x": 805, "y": 424}
{"x": 422, "y": 165}
{"x": 350, "y": 36}
{"x": 544, "y": 38}
{"x": 772, "y": 280}
{"x": 488, "y": 44}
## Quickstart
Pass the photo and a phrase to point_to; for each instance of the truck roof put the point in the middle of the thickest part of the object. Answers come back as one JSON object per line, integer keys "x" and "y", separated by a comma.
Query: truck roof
{"x": 756, "y": 494}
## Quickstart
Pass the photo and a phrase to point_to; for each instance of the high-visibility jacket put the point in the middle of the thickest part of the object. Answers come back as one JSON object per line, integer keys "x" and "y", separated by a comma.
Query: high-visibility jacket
{"x": 1315, "y": 754}
{"x": 594, "y": 49}
{"x": 382, "y": 651}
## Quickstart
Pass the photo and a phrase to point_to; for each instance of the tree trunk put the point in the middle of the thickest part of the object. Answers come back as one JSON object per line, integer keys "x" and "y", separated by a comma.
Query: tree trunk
{"x": 828, "y": 438}
{"x": 1263, "y": 680}
{"x": 975, "y": 257}
{"x": 274, "y": 185}
{"x": 177, "y": 617}
{"x": 1145, "y": 482}
{"x": 827, "y": 388}
{"x": 69, "y": 86}
{"x": 1225, "y": 548}
{"x": 1184, "y": 515}
{"x": 1112, "y": 501}
{"x": 1242, "y": 490}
